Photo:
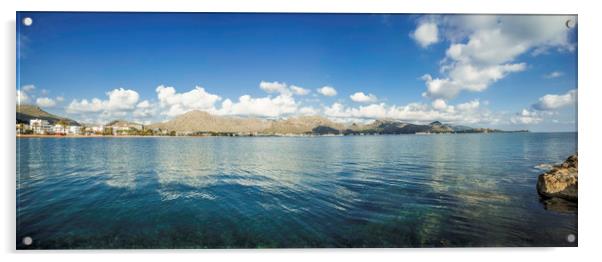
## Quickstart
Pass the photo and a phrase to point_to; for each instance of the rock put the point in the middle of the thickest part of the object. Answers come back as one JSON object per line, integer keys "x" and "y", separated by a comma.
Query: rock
{"x": 559, "y": 205}
{"x": 561, "y": 181}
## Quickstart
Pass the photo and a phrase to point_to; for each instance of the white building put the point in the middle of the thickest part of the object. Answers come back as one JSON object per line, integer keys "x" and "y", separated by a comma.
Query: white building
{"x": 59, "y": 129}
{"x": 40, "y": 126}
{"x": 73, "y": 130}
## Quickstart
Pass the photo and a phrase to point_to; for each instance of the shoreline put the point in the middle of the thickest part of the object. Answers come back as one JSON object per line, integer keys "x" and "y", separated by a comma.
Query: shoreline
{"x": 91, "y": 136}
{"x": 292, "y": 135}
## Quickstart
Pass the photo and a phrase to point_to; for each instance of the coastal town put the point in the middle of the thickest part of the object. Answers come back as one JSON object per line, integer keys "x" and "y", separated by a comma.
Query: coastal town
{"x": 41, "y": 127}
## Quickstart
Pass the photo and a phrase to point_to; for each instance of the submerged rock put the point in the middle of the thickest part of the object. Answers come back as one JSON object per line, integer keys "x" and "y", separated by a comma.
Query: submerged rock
{"x": 559, "y": 205}
{"x": 561, "y": 181}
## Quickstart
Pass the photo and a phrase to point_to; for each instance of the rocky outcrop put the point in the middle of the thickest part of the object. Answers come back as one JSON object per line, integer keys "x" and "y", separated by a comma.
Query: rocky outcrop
{"x": 560, "y": 181}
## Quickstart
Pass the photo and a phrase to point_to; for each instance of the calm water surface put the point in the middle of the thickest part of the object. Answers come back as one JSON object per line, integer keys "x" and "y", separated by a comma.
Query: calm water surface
{"x": 223, "y": 192}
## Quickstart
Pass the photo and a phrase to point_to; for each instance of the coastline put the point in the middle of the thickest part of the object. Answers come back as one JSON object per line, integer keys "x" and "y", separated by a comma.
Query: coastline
{"x": 265, "y": 135}
{"x": 82, "y": 136}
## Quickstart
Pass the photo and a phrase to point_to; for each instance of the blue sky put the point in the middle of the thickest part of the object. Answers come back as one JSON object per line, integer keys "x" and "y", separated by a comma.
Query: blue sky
{"x": 507, "y": 72}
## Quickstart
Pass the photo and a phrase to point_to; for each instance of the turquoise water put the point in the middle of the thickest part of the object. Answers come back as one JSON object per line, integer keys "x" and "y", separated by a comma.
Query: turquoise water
{"x": 248, "y": 192}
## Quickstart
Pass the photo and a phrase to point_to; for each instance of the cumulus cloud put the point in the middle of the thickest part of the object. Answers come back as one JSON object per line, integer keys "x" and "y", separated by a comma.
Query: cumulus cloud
{"x": 526, "y": 117}
{"x": 426, "y": 34}
{"x": 45, "y": 102}
{"x": 469, "y": 106}
{"x": 273, "y": 87}
{"x": 327, "y": 91}
{"x": 246, "y": 105}
{"x": 60, "y": 99}
{"x": 297, "y": 90}
{"x": 24, "y": 94}
{"x": 282, "y": 88}
{"x": 85, "y": 106}
{"x": 439, "y": 104}
{"x": 554, "y": 74}
{"x": 174, "y": 103}
{"x": 145, "y": 109}
{"x": 484, "y": 49}
{"x": 360, "y": 97}
{"x": 28, "y": 88}
{"x": 413, "y": 112}
{"x": 119, "y": 100}
{"x": 122, "y": 99}
{"x": 283, "y": 104}
{"x": 170, "y": 103}
{"x": 553, "y": 102}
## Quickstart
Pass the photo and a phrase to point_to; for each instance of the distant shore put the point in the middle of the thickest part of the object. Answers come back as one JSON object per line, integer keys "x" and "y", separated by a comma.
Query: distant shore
{"x": 82, "y": 136}
{"x": 239, "y": 135}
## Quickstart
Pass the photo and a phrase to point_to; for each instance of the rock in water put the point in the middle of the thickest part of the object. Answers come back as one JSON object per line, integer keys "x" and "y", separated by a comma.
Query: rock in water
{"x": 561, "y": 181}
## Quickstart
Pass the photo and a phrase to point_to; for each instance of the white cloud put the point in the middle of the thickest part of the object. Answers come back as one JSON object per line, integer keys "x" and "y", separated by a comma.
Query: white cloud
{"x": 24, "y": 94}
{"x": 123, "y": 103}
{"x": 85, "y": 106}
{"x": 122, "y": 99}
{"x": 484, "y": 48}
{"x": 174, "y": 103}
{"x": 439, "y": 104}
{"x": 283, "y": 104}
{"x": 466, "y": 113}
{"x": 145, "y": 109}
{"x": 28, "y": 88}
{"x": 45, "y": 102}
{"x": 144, "y": 104}
{"x": 297, "y": 90}
{"x": 467, "y": 77}
{"x": 526, "y": 117}
{"x": 469, "y": 106}
{"x": 261, "y": 107}
{"x": 426, "y": 34}
{"x": 552, "y": 102}
{"x": 273, "y": 87}
{"x": 554, "y": 74}
{"x": 327, "y": 91}
{"x": 360, "y": 97}
{"x": 282, "y": 88}
{"x": 119, "y": 100}
{"x": 60, "y": 99}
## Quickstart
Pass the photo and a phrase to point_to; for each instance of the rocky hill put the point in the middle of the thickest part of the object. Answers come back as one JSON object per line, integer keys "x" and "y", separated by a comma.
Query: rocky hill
{"x": 304, "y": 125}
{"x": 199, "y": 121}
{"x": 397, "y": 127}
{"x": 28, "y": 112}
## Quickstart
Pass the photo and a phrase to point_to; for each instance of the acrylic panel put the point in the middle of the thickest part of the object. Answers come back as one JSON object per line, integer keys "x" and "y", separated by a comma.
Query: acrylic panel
{"x": 295, "y": 130}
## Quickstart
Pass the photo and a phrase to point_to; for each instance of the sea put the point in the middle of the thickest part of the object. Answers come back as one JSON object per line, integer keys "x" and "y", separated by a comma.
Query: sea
{"x": 383, "y": 191}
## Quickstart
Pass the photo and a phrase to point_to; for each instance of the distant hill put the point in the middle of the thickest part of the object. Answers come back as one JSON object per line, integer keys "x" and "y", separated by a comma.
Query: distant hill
{"x": 199, "y": 121}
{"x": 124, "y": 123}
{"x": 28, "y": 112}
{"x": 304, "y": 125}
{"x": 397, "y": 127}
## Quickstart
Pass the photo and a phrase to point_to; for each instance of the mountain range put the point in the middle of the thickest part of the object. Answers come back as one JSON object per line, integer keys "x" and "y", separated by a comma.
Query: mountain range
{"x": 203, "y": 122}
{"x": 194, "y": 122}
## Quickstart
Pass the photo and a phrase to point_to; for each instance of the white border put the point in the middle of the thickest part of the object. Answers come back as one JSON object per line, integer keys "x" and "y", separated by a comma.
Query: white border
{"x": 590, "y": 129}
